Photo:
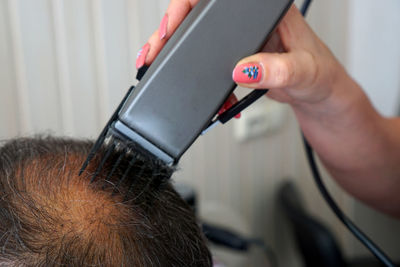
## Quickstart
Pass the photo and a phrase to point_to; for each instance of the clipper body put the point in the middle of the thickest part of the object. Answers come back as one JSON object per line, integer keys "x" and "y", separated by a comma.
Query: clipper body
{"x": 192, "y": 76}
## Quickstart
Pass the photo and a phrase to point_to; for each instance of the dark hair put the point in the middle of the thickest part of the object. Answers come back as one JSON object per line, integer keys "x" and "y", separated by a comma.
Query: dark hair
{"x": 50, "y": 216}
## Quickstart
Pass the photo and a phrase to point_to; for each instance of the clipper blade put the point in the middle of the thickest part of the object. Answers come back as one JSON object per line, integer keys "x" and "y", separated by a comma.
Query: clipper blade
{"x": 119, "y": 161}
{"x": 100, "y": 140}
{"x": 122, "y": 164}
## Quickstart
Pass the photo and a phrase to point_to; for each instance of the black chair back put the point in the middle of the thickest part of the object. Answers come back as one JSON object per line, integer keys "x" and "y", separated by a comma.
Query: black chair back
{"x": 316, "y": 243}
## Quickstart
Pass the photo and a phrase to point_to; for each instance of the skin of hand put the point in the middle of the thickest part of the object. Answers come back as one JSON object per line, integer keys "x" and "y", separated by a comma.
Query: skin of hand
{"x": 359, "y": 147}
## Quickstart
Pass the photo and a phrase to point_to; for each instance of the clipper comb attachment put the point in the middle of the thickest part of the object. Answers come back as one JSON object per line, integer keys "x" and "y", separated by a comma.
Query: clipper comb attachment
{"x": 116, "y": 151}
{"x": 103, "y": 134}
{"x": 174, "y": 102}
{"x": 125, "y": 168}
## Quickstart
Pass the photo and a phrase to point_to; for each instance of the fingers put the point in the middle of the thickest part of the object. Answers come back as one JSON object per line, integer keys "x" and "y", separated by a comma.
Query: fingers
{"x": 304, "y": 73}
{"x": 296, "y": 69}
{"x": 176, "y": 13}
{"x": 155, "y": 45}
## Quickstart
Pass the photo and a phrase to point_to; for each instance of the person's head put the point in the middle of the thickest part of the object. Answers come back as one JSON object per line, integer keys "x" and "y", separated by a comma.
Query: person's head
{"x": 50, "y": 216}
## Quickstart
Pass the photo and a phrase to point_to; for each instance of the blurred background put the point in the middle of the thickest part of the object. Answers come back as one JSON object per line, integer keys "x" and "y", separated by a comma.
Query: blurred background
{"x": 65, "y": 65}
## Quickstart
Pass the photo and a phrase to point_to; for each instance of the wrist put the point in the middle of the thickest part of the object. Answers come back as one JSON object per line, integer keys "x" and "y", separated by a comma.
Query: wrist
{"x": 347, "y": 114}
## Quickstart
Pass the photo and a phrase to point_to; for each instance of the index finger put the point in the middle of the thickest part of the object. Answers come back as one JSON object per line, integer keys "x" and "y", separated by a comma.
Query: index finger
{"x": 176, "y": 13}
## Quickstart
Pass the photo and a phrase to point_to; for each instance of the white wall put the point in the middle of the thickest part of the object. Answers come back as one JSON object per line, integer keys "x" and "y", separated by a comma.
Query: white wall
{"x": 65, "y": 65}
{"x": 374, "y": 51}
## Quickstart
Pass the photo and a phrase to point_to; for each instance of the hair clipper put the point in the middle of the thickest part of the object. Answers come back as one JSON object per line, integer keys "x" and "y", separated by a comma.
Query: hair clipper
{"x": 180, "y": 93}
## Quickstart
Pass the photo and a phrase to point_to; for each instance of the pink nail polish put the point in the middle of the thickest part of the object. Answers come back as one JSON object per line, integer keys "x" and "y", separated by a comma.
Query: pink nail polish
{"x": 162, "y": 31}
{"x": 141, "y": 56}
{"x": 247, "y": 73}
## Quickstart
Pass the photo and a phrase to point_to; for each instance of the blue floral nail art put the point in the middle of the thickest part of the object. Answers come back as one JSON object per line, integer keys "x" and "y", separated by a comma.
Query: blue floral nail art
{"x": 252, "y": 72}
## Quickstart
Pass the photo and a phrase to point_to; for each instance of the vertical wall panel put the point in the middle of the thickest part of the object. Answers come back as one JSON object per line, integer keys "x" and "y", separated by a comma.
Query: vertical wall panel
{"x": 9, "y": 121}
{"x": 62, "y": 62}
{"x": 116, "y": 41}
{"x": 20, "y": 75}
{"x": 82, "y": 68}
{"x": 149, "y": 22}
{"x": 133, "y": 32}
{"x": 39, "y": 53}
{"x": 100, "y": 61}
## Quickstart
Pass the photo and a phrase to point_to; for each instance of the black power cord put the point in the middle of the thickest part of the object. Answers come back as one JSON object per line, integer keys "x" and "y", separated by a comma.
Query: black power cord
{"x": 305, "y": 7}
{"x": 363, "y": 238}
{"x": 368, "y": 243}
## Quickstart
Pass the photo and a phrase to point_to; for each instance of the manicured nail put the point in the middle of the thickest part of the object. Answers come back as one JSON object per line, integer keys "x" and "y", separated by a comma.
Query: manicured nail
{"x": 162, "y": 31}
{"x": 141, "y": 56}
{"x": 238, "y": 116}
{"x": 247, "y": 73}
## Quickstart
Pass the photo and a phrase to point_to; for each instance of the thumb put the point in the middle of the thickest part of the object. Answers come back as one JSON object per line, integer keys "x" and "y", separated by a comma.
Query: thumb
{"x": 296, "y": 69}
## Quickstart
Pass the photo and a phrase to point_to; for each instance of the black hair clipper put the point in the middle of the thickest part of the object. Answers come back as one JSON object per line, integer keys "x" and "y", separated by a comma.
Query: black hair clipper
{"x": 179, "y": 95}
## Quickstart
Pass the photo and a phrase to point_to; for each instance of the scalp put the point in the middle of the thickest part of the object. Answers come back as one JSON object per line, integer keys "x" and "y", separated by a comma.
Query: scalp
{"x": 57, "y": 205}
{"x": 51, "y": 216}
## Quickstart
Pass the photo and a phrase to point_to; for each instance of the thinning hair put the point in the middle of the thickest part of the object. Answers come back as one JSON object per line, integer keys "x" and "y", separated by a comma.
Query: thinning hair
{"x": 50, "y": 216}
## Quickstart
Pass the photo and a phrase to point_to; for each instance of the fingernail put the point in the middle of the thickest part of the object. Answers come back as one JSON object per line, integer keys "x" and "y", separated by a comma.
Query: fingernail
{"x": 247, "y": 73}
{"x": 238, "y": 116}
{"x": 162, "y": 31}
{"x": 141, "y": 56}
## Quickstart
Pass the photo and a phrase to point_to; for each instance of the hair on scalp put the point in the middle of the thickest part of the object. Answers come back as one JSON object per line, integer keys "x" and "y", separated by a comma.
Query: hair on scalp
{"x": 50, "y": 216}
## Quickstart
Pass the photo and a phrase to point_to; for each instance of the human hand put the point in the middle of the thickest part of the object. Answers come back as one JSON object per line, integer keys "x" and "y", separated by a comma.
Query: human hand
{"x": 176, "y": 13}
{"x": 329, "y": 105}
{"x": 295, "y": 65}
